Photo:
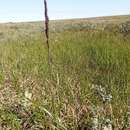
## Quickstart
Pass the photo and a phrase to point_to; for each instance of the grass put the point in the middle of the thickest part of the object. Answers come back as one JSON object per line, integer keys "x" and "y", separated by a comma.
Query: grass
{"x": 35, "y": 96}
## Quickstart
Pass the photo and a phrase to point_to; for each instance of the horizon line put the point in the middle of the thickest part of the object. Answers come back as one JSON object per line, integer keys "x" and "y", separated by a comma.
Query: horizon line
{"x": 53, "y": 19}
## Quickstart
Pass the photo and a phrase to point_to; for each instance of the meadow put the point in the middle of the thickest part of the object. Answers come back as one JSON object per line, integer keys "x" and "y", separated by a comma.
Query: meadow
{"x": 85, "y": 54}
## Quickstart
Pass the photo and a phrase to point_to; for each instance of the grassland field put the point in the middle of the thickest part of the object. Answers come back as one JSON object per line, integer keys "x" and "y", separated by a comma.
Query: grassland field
{"x": 84, "y": 52}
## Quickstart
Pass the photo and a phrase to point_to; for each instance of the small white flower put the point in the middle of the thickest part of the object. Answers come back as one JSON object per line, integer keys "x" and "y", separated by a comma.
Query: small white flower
{"x": 28, "y": 95}
{"x": 109, "y": 127}
{"x": 27, "y": 98}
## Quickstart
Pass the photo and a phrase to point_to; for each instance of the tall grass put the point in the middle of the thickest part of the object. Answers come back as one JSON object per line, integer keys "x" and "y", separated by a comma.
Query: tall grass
{"x": 32, "y": 98}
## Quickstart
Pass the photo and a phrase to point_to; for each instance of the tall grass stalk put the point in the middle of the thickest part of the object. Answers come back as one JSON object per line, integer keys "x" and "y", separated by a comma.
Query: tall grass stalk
{"x": 47, "y": 30}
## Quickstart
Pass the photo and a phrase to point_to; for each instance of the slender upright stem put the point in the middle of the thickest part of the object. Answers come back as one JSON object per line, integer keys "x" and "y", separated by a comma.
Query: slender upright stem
{"x": 47, "y": 29}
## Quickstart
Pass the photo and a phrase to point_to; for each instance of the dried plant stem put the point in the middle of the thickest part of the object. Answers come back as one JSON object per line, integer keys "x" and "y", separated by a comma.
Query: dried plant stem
{"x": 47, "y": 30}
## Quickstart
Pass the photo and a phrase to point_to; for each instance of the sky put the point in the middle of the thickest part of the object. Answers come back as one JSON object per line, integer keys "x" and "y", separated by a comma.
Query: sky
{"x": 32, "y": 10}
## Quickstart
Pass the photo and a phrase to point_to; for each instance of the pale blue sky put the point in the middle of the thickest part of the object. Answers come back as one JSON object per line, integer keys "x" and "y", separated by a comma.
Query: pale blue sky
{"x": 32, "y": 10}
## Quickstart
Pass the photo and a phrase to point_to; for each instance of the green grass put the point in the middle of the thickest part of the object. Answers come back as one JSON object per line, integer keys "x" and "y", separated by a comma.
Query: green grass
{"x": 61, "y": 94}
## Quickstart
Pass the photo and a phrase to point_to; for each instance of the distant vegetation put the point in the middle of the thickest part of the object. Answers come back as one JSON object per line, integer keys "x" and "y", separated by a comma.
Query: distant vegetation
{"x": 90, "y": 67}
